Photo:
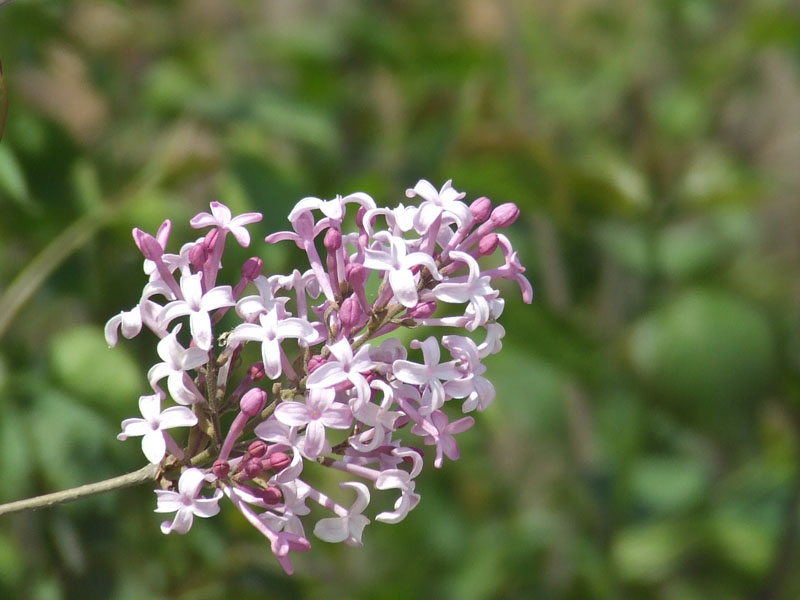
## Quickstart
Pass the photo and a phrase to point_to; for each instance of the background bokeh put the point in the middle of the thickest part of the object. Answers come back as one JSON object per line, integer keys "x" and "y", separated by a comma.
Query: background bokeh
{"x": 646, "y": 436}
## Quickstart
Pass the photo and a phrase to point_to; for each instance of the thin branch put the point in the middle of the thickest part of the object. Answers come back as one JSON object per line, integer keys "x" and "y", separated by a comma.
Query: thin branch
{"x": 143, "y": 475}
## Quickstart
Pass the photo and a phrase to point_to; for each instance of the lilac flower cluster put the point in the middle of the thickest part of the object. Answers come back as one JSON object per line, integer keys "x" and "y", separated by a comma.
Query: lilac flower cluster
{"x": 302, "y": 370}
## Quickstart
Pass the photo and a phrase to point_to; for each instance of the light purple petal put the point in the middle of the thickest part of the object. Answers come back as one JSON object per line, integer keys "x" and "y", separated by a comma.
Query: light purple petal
{"x": 338, "y": 416}
{"x": 327, "y": 375}
{"x": 293, "y": 413}
{"x": 404, "y": 287}
{"x": 154, "y": 446}
{"x": 334, "y": 529}
{"x": 271, "y": 356}
{"x": 177, "y": 416}
{"x": 134, "y": 428}
{"x": 200, "y": 325}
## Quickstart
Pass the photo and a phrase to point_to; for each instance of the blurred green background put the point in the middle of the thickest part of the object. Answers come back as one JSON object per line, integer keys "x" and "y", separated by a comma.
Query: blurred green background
{"x": 645, "y": 439}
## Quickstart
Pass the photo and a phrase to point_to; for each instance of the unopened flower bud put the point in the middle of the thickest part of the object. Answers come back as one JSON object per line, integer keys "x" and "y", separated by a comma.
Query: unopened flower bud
{"x": 423, "y": 310}
{"x": 356, "y": 274}
{"x": 271, "y": 495}
{"x": 221, "y": 468}
{"x": 480, "y": 209}
{"x": 278, "y": 461}
{"x": 211, "y": 239}
{"x": 488, "y": 244}
{"x": 257, "y": 448}
{"x": 505, "y": 214}
{"x": 256, "y": 371}
{"x": 253, "y": 402}
{"x": 252, "y": 268}
{"x": 350, "y": 312}
{"x": 149, "y": 245}
{"x": 253, "y": 468}
{"x": 315, "y": 362}
{"x": 198, "y": 255}
{"x": 332, "y": 239}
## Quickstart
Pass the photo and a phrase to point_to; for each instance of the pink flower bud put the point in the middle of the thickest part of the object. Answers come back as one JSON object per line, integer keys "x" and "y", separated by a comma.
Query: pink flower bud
{"x": 332, "y": 239}
{"x": 356, "y": 274}
{"x": 315, "y": 362}
{"x": 211, "y": 239}
{"x": 271, "y": 495}
{"x": 481, "y": 209}
{"x": 198, "y": 255}
{"x": 350, "y": 313}
{"x": 256, "y": 371}
{"x": 253, "y": 402}
{"x": 149, "y": 245}
{"x": 221, "y": 468}
{"x": 423, "y": 310}
{"x": 257, "y": 448}
{"x": 253, "y": 468}
{"x": 488, "y": 244}
{"x": 252, "y": 268}
{"x": 278, "y": 461}
{"x": 505, "y": 214}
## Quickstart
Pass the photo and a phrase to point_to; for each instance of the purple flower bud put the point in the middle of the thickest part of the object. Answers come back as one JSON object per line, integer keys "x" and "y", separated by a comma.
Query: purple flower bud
{"x": 210, "y": 241}
{"x": 149, "y": 245}
{"x": 423, "y": 310}
{"x": 252, "y": 268}
{"x": 257, "y": 448}
{"x": 332, "y": 239}
{"x": 505, "y": 214}
{"x": 488, "y": 244}
{"x": 253, "y": 402}
{"x": 350, "y": 313}
{"x": 271, "y": 495}
{"x": 481, "y": 209}
{"x": 356, "y": 274}
{"x": 221, "y": 468}
{"x": 278, "y": 461}
{"x": 198, "y": 255}
{"x": 256, "y": 371}
{"x": 253, "y": 468}
{"x": 315, "y": 362}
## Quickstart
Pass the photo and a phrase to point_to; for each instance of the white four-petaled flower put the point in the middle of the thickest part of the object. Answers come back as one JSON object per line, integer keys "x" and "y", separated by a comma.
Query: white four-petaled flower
{"x": 185, "y": 502}
{"x": 151, "y": 427}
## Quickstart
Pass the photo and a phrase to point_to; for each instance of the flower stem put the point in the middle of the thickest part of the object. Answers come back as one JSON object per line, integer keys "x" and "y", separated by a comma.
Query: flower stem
{"x": 143, "y": 475}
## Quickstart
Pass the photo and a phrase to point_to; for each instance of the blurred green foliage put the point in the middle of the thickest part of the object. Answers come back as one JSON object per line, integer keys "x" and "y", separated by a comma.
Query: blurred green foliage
{"x": 644, "y": 443}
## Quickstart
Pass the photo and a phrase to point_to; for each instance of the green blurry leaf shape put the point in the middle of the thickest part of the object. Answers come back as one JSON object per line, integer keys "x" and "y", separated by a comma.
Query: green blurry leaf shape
{"x": 13, "y": 184}
{"x": 668, "y": 484}
{"x": 83, "y": 362}
{"x": 648, "y": 553}
{"x": 706, "y": 352}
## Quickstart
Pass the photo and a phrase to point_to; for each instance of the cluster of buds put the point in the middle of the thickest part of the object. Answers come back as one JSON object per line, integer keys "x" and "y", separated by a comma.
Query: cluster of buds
{"x": 305, "y": 371}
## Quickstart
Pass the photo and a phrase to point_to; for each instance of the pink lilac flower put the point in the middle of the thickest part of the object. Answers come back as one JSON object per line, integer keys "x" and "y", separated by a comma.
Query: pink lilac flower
{"x": 222, "y": 218}
{"x": 346, "y": 367}
{"x": 177, "y": 361}
{"x": 316, "y": 413}
{"x": 197, "y": 305}
{"x": 185, "y": 503}
{"x": 399, "y": 265}
{"x": 271, "y": 331}
{"x": 153, "y": 423}
{"x": 347, "y": 527}
{"x": 257, "y": 421}
{"x": 430, "y": 374}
